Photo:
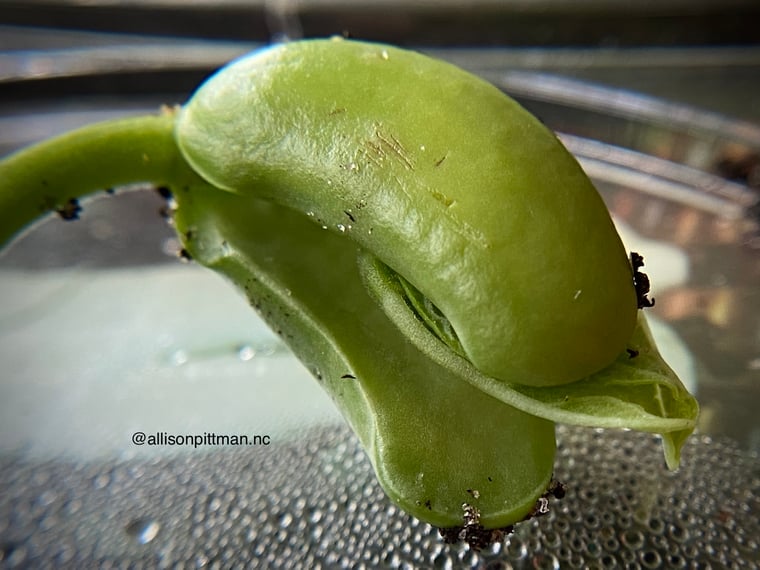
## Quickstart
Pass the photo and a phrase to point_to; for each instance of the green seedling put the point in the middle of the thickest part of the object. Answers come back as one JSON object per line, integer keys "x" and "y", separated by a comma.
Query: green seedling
{"x": 426, "y": 247}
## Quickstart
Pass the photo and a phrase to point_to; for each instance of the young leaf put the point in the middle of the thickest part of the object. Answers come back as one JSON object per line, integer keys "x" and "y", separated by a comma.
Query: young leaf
{"x": 637, "y": 391}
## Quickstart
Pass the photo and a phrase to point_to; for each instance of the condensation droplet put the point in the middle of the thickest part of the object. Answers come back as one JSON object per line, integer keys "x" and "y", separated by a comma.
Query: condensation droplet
{"x": 12, "y": 555}
{"x": 443, "y": 561}
{"x": 47, "y": 498}
{"x": 329, "y": 511}
{"x": 178, "y": 357}
{"x": 246, "y": 352}
{"x": 633, "y": 539}
{"x": 544, "y": 562}
{"x": 516, "y": 548}
{"x": 143, "y": 530}
{"x": 650, "y": 559}
{"x": 269, "y": 348}
{"x": 286, "y": 520}
{"x": 315, "y": 516}
{"x": 214, "y": 504}
{"x": 171, "y": 247}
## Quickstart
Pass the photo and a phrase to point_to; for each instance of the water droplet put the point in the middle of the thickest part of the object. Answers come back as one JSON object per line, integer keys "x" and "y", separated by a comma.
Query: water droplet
{"x": 143, "y": 530}
{"x": 341, "y": 228}
{"x": 547, "y": 561}
{"x": 443, "y": 561}
{"x": 315, "y": 516}
{"x": 268, "y": 348}
{"x": 633, "y": 539}
{"x": 246, "y": 352}
{"x": 101, "y": 481}
{"x": 678, "y": 533}
{"x": 66, "y": 553}
{"x": 650, "y": 558}
{"x": 516, "y": 548}
{"x": 178, "y": 357}
{"x": 214, "y": 504}
{"x": 171, "y": 247}
{"x": 48, "y": 497}
{"x": 12, "y": 554}
{"x": 384, "y": 55}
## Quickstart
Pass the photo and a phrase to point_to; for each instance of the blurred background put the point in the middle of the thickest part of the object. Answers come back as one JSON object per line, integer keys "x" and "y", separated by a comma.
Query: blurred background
{"x": 660, "y": 102}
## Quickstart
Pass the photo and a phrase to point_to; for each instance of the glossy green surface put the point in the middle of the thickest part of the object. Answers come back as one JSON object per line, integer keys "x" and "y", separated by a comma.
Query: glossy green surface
{"x": 426, "y": 248}
{"x": 430, "y": 436}
{"x": 448, "y": 181}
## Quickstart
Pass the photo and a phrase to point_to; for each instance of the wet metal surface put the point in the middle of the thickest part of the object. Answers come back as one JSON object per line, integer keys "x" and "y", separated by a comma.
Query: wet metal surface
{"x": 686, "y": 175}
{"x": 316, "y": 504}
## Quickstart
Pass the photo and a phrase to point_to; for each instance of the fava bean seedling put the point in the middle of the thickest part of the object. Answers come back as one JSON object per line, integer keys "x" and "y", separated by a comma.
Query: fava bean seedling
{"x": 427, "y": 248}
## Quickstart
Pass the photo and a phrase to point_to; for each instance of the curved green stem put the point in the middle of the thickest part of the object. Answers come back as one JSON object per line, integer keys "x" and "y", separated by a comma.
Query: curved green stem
{"x": 44, "y": 177}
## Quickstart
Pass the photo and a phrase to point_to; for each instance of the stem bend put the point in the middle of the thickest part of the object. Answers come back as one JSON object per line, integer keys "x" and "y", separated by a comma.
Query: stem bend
{"x": 46, "y": 176}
